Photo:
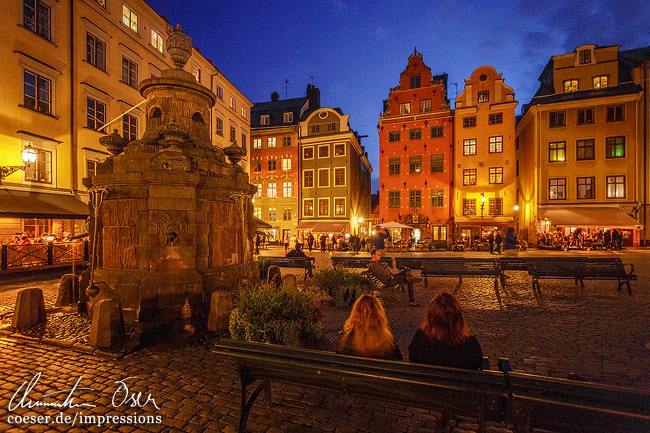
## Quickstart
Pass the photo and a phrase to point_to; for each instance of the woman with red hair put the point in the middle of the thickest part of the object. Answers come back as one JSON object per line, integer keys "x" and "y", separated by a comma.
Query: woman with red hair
{"x": 366, "y": 332}
{"x": 444, "y": 337}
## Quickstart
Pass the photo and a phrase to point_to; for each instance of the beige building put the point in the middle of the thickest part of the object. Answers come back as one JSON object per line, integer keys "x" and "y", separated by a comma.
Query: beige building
{"x": 63, "y": 83}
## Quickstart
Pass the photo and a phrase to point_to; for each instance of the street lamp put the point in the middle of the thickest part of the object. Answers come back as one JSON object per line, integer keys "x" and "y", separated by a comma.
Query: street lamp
{"x": 28, "y": 156}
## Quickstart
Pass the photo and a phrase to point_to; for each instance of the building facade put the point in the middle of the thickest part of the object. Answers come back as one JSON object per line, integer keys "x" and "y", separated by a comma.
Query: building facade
{"x": 484, "y": 156}
{"x": 72, "y": 71}
{"x": 415, "y": 153}
{"x": 580, "y": 147}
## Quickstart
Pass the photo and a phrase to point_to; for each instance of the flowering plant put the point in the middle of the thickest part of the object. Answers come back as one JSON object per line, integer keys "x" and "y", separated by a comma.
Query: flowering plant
{"x": 281, "y": 315}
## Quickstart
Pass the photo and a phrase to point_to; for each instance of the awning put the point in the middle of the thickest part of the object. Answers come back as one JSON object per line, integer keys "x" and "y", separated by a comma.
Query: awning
{"x": 331, "y": 227}
{"x": 306, "y": 225}
{"x": 605, "y": 217}
{"x": 261, "y": 224}
{"x": 28, "y": 204}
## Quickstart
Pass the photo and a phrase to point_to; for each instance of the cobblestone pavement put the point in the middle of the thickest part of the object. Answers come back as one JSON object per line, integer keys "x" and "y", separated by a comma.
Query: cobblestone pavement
{"x": 596, "y": 332}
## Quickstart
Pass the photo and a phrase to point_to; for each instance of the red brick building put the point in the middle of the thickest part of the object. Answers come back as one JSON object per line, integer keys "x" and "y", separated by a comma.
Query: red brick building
{"x": 415, "y": 153}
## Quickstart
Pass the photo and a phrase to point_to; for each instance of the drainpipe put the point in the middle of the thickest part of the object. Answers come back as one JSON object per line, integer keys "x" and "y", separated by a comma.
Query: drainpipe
{"x": 74, "y": 170}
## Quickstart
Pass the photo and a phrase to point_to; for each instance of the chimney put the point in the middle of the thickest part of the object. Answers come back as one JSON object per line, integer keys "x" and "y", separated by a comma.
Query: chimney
{"x": 275, "y": 96}
{"x": 313, "y": 95}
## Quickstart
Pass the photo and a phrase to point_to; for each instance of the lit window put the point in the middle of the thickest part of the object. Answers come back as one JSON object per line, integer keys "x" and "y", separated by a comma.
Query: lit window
{"x": 469, "y": 176}
{"x": 323, "y": 207}
{"x": 615, "y": 186}
{"x": 496, "y": 144}
{"x": 287, "y": 117}
{"x": 287, "y": 189}
{"x": 129, "y": 72}
{"x": 129, "y": 19}
{"x": 415, "y": 164}
{"x": 484, "y": 96}
{"x": 339, "y": 176}
{"x": 469, "y": 146}
{"x": 394, "y": 165}
{"x": 270, "y": 142}
{"x": 219, "y": 126}
{"x": 615, "y": 147}
{"x": 586, "y": 187}
{"x": 393, "y": 136}
{"x": 308, "y": 207}
{"x": 339, "y": 206}
{"x": 41, "y": 169}
{"x": 130, "y": 127}
{"x": 557, "y": 151}
{"x": 265, "y": 119}
{"x": 570, "y": 85}
{"x": 38, "y": 93}
{"x": 600, "y": 82}
{"x": 286, "y": 164}
{"x": 95, "y": 114}
{"x": 157, "y": 41}
{"x": 37, "y": 17}
{"x": 95, "y": 52}
{"x": 496, "y": 175}
{"x": 415, "y": 198}
{"x": 405, "y": 108}
{"x": 323, "y": 177}
{"x": 272, "y": 190}
{"x": 393, "y": 199}
{"x": 557, "y": 189}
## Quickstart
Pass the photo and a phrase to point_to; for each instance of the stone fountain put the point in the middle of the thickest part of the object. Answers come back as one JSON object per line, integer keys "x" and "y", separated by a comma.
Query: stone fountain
{"x": 175, "y": 229}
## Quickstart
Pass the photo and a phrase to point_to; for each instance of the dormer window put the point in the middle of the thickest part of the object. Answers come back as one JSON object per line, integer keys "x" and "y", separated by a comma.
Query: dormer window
{"x": 264, "y": 119}
{"x": 584, "y": 57}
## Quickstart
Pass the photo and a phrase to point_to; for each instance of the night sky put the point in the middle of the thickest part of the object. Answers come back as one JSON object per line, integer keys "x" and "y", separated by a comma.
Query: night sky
{"x": 354, "y": 51}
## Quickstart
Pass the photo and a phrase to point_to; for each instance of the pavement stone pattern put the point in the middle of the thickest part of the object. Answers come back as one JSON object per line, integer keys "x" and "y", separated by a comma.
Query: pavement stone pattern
{"x": 595, "y": 332}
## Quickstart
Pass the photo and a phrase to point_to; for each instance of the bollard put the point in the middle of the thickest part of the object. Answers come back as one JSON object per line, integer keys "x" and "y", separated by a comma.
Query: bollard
{"x": 30, "y": 308}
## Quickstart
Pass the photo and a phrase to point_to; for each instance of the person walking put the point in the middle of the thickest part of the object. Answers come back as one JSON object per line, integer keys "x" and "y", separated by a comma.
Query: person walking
{"x": 498, "y": 240}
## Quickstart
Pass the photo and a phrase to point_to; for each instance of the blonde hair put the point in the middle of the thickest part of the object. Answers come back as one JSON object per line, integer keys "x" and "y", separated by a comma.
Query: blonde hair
{"x": 371, "y": 336}
{"x": 444, "y": 320}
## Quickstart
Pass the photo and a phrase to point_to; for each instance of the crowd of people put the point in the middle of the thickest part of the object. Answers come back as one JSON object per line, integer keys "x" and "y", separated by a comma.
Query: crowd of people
{"x": 606, "y": 239}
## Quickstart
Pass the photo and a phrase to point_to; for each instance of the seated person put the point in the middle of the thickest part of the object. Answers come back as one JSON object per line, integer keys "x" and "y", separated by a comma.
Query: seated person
{"x": 444, "y": 338}
{"x": 366, "y": 332}
{"x": 383, "y": 272}
{"x": 297, "y": 252}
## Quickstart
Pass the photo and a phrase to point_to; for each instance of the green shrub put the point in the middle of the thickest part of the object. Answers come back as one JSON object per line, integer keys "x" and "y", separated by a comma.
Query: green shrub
{"x": 283, "y": 316}
{"x": 342, "y": 285}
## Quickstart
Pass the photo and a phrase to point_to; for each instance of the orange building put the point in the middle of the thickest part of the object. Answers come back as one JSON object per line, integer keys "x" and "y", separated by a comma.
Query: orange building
{"x": 484, "y": 156}
{"x": 415, "y": 147}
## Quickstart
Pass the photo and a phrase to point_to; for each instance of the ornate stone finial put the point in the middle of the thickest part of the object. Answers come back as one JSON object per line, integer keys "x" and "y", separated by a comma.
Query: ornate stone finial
{"x": 179, "y": 46}
{"x": 114, "y": 143}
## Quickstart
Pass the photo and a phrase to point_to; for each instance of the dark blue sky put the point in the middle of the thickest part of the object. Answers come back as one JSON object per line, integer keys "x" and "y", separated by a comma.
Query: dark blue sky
{"x": 355, "y": 50}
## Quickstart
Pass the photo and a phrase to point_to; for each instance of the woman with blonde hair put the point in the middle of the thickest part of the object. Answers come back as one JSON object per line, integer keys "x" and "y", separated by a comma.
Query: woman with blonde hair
{"x": 444, "y": 337}
{"x": 366, "y": 332}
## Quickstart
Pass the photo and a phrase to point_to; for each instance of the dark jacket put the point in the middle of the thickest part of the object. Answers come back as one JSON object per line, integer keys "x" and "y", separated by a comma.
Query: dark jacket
{"x": 347, "y": 349}
{"x": 426, "y": 351}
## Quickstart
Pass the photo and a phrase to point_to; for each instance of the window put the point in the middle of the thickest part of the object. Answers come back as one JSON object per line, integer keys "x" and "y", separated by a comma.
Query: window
{"x": 38, "y": 93}
{"x": 308, "y": 153}
{"x": 157, "y": 41}
{"x": 129, "y": 19}
{"x": 425, "y": 105}
{"x": 615, "y": 113}
{"x": 585, "y": 149}
{"x": 393, "y": 199}
{"x": 394, "y": 165}
{"x": 415, "y": 134}
{"x": 129, "y": 72}
{"x": 484, "y": 96}
{"x": 496, "y": 144}
{"x": 615, "y": 147}
{"x": 415, "y": 164}
{"x": 469, "y": 176}
{"x": 308, "y": 207}
{"x": 557, "y": 189}
{"x": 584, "y": 57}
{"x": 41, "y": 169}
{"x": 570, "y": 85}
{"x": 437, "y": 198}
{"x": 287, "y": 189}
{"x": 323, "y": 177}
{"x": 130, "y": 127}
{"x": 265, "y": 119}
{"x": 324, "y": 151}
{"x": 270, "y": 142}
{"x": 415, "y": 198}
{"x": 219, "y": 92}
{"x": 233, "y": 103}
{"x": 339, "y": 206}
{"x": 600, "y": 82}
{"x": 331, "y": 126}
{"x": 404, "y": 108}
{"x": 585, "y": 116}
{"x": 469, "y": 146}
{"x": 339, "y": 176}
{"x": 339, "y": 149}
{"x": 496, "y": 174}
{"x": 257, "y": 166}
{"x": 95, "y": 52}
{"x": 286, "y": 164}
{"x": 469, "y": 121}
{"x": 437, "y": 131}
{"x": 415, "y": 81}
{"x": 244, "y": 112}
{"x": 495, "y": 206}
{"x": 272, "y": 214}
{"x": 315, "y": 129}
{"x": 257, "y": 143}
{"x": 308, "y": 179}
{"x": 556, "y": 119}
{"x": 437, "y": 163}
{"x": 272, "y": 190}
{"x": 286, "y": 141}
{"x": 95, "y": 114}
{"x": 91, "y": 168}
{"x": 495, "y": 118}
{"x": 615, "y": 186}
{"x": 557, "y": 151}
{"x": 286, "y": 216}
{"x": 219, "y": 126}
{"x": 393, "y": 136}
{"x": 287, "y": 117}
{"x": 323, "y": 207}
{"x": 469, "y": 206}
{"x": 233, "y": 134}
{"x": 272, "y": 165}
{"x": 586, "y": 187}
{"x": 37, "y": 18}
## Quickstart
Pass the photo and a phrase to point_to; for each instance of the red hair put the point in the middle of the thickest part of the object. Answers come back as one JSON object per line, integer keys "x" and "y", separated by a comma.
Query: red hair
{"x": 372, "y": 337}
{"x": 444, "y": 320}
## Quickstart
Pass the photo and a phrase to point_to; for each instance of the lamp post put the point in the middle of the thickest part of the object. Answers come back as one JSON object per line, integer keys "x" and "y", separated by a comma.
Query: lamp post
{"x": 28, "y": 155}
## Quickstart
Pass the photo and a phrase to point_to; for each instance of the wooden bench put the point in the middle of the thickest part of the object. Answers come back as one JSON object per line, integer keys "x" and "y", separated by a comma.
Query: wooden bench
{"x": 306, "y": 263}
{"x": 524, "y": 400}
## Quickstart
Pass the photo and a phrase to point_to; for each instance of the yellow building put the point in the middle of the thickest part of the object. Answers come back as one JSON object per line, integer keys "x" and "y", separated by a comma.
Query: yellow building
{"x": 484, "y": 156}
{"x": 71, "y": 74}
{"x": 578, "y": 146}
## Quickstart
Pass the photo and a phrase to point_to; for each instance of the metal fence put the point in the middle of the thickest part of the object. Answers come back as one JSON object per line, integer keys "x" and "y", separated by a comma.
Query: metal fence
{"x": 41, "y": 255}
